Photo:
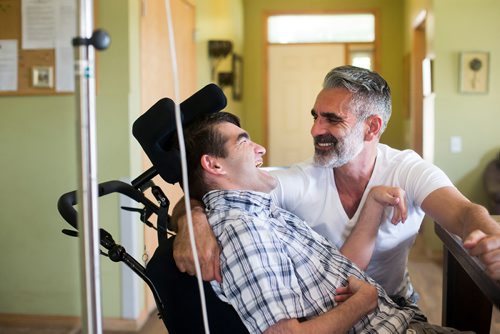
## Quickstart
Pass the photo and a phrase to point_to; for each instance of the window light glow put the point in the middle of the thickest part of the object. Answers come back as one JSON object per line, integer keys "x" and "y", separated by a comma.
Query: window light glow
{"x": 321, "y": 28}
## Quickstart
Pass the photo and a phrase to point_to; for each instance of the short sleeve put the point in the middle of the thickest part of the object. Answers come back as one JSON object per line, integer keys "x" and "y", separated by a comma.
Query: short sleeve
{"x": 420, "y": 178}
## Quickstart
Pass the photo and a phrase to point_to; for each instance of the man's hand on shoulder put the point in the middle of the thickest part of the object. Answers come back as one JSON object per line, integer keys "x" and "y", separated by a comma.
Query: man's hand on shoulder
{"x": 206, "y": 246}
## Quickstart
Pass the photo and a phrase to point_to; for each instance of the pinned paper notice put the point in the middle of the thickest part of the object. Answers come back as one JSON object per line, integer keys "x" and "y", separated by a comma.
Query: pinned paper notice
{"x": 39, "y": 24}
{"x": 8, "y": 65}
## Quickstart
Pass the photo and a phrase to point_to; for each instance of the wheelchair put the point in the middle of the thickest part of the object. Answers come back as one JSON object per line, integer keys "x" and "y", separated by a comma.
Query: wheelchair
{"x": 176, "y": 294}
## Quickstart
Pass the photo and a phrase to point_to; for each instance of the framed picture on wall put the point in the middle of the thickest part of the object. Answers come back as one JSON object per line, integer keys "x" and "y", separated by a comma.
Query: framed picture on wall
{"x": 474, "y": 72}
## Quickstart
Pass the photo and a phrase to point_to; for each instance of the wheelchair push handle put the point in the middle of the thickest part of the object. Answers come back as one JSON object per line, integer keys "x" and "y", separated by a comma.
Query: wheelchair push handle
{"x": 66, "y": 203}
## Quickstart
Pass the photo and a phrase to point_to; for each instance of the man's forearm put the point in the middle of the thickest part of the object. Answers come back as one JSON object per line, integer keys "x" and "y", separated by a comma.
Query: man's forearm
{"x": 338, "y": 320}
{"x": 457, "y": 214}
{"x": 360, "y": 244}
{"x": 206, "y": 244}
{"x": 477, "y": 217}
{"x": 341, "y": 318}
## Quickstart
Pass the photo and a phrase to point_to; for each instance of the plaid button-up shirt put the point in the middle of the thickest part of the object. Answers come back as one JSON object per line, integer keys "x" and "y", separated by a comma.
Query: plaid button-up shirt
{"x": 275, "y": 267}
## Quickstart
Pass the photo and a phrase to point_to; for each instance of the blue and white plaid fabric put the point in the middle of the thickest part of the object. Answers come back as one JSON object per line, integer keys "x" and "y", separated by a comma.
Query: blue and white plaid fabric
{"x": 275, "y": 267}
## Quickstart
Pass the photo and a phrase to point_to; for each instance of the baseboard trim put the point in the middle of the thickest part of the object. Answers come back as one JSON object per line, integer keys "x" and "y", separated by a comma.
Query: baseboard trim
{"x": 30, "y": 320}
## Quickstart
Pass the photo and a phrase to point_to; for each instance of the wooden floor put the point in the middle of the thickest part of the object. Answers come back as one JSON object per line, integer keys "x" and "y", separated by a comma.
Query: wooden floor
{"x": 427, "y": 277}
{"x": 152, "y": 326}
{"x": 426, "y": 274}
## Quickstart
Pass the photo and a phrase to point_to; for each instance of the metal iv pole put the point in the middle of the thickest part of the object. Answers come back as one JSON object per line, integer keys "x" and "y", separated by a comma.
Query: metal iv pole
{"x": 87, "y": 190}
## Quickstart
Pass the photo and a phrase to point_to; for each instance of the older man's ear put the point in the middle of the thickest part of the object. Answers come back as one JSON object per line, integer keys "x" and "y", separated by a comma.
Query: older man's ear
{"x": 212, "y": 165}
{"x": 374, "y": 123}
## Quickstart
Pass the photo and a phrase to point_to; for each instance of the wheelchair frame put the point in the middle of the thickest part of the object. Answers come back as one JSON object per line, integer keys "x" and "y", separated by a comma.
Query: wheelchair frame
{"x": 176, "y": 294}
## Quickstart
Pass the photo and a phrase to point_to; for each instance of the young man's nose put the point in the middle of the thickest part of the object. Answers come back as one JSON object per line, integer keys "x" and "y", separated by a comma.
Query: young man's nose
{"x": 260, "y": 149}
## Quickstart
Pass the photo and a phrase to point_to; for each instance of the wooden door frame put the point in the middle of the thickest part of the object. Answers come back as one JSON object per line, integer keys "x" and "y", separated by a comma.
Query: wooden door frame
{"x": 418, "y": 54}
{"x": 159, "y": 81}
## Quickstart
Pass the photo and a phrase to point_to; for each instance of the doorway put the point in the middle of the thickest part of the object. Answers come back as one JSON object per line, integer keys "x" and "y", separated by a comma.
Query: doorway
{"x": 422, "y": 100}
{"x": 296, "y": 73}
{"x": 301, "y": 50}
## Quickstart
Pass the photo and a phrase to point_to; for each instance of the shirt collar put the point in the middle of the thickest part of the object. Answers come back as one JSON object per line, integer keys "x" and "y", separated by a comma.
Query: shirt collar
{"x": 250, "y": 201}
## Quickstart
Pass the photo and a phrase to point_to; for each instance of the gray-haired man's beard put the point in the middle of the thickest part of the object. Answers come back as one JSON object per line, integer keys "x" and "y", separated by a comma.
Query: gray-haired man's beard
{"x": 341, "y": 150}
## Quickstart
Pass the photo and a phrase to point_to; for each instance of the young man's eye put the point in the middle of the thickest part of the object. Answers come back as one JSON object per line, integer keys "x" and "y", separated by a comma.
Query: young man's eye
{"x": 243, "y": 141}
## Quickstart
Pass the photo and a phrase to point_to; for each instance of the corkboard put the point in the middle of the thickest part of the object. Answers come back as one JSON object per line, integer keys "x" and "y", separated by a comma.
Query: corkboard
{"x": 10, "y": 28}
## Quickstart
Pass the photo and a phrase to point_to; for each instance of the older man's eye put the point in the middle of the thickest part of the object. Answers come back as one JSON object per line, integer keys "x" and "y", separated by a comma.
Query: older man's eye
{"x": 334, "y": 120}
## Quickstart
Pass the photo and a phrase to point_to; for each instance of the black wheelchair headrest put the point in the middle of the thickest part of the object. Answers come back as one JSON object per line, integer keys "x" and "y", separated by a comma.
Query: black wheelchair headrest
{"x": 155, "y": 128}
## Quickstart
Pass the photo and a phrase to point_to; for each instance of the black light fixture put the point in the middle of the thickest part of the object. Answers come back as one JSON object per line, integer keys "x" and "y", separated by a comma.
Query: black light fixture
{"x": 219, "y": 48}
{"x": 217, "y": 51}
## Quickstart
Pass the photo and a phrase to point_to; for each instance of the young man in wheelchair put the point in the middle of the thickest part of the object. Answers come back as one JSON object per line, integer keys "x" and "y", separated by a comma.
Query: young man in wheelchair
{"x": 278, "y": 274}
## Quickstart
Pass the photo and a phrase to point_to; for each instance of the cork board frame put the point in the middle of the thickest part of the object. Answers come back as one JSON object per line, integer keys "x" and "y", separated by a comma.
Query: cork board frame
{"x": 10, "y": 28}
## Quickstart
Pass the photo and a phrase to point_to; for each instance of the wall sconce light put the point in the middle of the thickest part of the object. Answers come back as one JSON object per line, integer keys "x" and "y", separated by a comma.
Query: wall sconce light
{"x": 217, "y": 51}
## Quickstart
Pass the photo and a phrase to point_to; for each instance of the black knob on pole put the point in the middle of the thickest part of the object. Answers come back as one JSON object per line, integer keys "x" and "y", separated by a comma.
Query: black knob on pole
{"x": 100, "y": 40}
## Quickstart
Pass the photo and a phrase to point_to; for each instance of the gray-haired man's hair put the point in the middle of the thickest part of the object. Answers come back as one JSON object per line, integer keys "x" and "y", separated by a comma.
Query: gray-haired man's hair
{"x": 371, "y": 94}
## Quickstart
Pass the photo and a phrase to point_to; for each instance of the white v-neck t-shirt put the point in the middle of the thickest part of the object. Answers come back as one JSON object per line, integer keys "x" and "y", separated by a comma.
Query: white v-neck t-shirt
{"x": 309, "y": 192}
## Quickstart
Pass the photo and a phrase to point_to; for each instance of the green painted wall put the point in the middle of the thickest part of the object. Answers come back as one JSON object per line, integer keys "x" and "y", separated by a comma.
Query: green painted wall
{"x": 391, "y": 16}
{"x": 474, "y": 117}
{"x": 40, "y": 266}
{"x": 38, "y": 164}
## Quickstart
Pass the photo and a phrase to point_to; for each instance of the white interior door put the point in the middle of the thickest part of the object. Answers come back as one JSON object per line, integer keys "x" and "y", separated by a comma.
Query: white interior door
{"x": 296, "y": 73}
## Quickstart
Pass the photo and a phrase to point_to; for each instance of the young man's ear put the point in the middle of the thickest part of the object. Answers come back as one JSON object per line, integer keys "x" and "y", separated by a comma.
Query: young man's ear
{"x": 374, "y": 123}
{"x": 211, "y": 165}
